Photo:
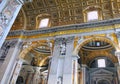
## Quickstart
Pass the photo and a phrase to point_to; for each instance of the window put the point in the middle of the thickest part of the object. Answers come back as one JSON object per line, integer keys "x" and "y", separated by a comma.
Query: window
{"x": 44, "y": 23}
{"x": 97, "y": 43}
{"x": 92, "y": 15}
{"x": 101, "y": 63}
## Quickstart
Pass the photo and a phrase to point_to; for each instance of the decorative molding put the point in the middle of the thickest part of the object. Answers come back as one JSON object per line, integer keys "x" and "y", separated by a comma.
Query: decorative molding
{"x": 5, "y": 48}
{"x": 58, "y": 41}
{"x": 7, "y": 14}
{"x": 68, "y": 27}
{"x": 70, "y": 39}
{"x": 24, "y": 1}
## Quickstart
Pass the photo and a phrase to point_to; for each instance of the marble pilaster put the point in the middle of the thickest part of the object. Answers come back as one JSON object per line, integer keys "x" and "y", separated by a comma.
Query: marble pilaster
{"x": 8, "y": 13}
{"x": 9, "y": 63}
{"x": 75, "y": 69}
{"x": 16, "y": 71}
{"x": 56, "y": 65}
{"x": 84, "y": 74}
{"x": 68, "y": 62}
{"x": 117, "y": 53}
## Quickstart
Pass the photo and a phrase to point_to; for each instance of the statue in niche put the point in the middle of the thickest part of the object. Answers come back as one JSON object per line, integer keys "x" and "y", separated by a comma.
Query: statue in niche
{"x": 34, "y": 61}
{"x": 63, "y": 47}
{"x": 20, "y": 80}
{"x": 59, "y": 80}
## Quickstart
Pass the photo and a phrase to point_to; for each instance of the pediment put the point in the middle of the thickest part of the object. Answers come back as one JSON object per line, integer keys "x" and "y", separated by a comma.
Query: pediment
{"x": 102, "y": 71}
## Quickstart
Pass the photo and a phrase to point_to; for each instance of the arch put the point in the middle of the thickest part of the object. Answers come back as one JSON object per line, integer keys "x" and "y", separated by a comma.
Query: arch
{"x": 106, "y": 81}
{"x": 44, "y": 60}
{"x": 79, "y": 46}
{"x": 25, "y": 19}
{"x": 91, "y": 7}
{"x": 87, "y": 55}
{"x": 30, "y": 47}
{"x": 92, "y": 63}
{"x": 101, "y": 54}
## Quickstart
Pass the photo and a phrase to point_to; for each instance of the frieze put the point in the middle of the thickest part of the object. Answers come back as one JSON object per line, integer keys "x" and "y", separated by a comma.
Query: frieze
{"x": 64, "y": 28}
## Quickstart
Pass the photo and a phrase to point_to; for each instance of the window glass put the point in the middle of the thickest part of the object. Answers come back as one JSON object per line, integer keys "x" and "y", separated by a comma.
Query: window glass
{"x": 97, "y": 43}
{"x": 44, "y": 23}
{"x": 92, "y": 15}
{"x": 101, "y": 63}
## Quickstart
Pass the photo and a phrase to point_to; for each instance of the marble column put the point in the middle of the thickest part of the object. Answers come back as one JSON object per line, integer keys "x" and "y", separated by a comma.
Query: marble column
{"x": 75, "y": 69}
{"x": 84, "y": 74}
{"x": 29, "y": 78}
{"x": 10, "y": 61}
{"x": 36, "y": 77}
{"x": 117, "y": 53}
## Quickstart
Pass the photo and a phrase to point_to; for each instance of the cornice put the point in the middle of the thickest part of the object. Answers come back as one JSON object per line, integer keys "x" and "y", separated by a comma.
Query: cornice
{"x": 92, "y": 26}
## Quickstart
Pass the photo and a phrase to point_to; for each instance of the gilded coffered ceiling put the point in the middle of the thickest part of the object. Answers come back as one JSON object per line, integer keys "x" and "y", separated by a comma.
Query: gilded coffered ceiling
{"x": 64, "y": 12}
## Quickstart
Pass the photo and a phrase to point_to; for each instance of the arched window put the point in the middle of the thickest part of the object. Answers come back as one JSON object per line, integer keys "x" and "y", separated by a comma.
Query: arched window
{"x": 92, "y": 13}
{"x": 101, "y": 62}
{"x": 43, "y": 21}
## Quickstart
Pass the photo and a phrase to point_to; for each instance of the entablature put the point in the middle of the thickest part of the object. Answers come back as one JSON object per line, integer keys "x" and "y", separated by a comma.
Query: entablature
{"x": 68, "y": 29}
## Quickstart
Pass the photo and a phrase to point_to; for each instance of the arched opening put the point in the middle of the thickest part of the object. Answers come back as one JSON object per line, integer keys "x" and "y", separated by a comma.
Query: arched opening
{"x": 33, "y": 73}
{"x": 35, "y": 68}
{"x": 97, "y": 61}
{"x": 101, "y": 62}
{"x": 103, "y": 82}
